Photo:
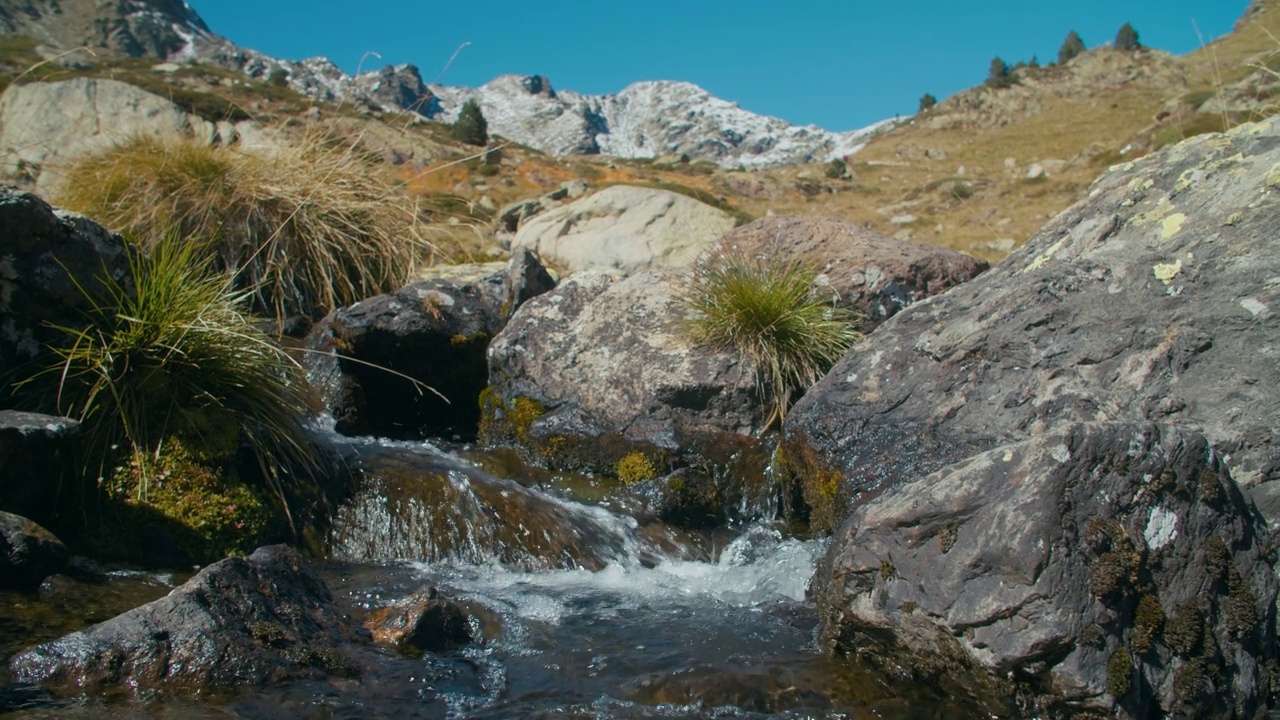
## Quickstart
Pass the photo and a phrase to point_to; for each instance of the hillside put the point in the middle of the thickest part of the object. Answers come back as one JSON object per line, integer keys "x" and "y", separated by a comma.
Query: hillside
{"x": 979, "y": 172}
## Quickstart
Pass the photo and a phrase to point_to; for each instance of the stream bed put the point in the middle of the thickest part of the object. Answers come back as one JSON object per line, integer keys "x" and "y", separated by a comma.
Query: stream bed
{"x": 580, "y": 613}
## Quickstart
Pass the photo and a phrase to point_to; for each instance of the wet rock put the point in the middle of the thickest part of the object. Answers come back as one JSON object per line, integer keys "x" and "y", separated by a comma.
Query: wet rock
{"x": 423, "y": 621}
{"x": 625, "y": 229}
{"x": 28, "y": 553}
{"x": 240, "y": 621}
{"x": 38, "y": 472}
{"x": 44, "y": 255}
{"x": 686, "y": 498}
{"x": 1155, "y": 299}
{"x": 870, "y": 273}
{"x": 601, "y": 368}
{"x": 1103, "y": 564}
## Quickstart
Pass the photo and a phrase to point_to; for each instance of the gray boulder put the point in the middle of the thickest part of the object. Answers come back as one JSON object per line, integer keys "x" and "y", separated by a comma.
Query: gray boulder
{"x": 601, "y": 368}
{"x": 46, "y": 258}
{"x": 1157, "y": 299}
{"x": 28, "y": 553}
{"x": 625, "y": 229}
{"x": 870, "y": 273}
{"x": 240, "y": 621}
{"x": 1106, "y": 567}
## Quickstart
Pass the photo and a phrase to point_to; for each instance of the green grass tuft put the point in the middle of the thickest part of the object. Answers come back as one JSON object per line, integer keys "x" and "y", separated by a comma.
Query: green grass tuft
{"x": 769, "y": 313}
{"x": 179, "y": 359}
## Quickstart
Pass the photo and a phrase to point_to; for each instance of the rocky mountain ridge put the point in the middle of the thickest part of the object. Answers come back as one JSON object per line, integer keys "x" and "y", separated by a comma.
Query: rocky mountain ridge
{"x": 645, "y": 120}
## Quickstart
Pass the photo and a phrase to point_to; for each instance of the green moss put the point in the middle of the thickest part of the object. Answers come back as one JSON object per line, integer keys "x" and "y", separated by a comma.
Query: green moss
{"x": 506, "y": 422}
{"x": 1113, "y": 574}
{"x": 1216, "y": 558}
{"x": 908, "y": 606}
{"x": 1192, "y": 681}
{"x": 1148, "y": 620}
{"x": 1209, "y": 487}
{"x": 1239, "y": 608}
{"x": 887, "y": 570}
{"x": 947, "y": 538}
{"x": 270, "y": 634}
{"x": 1119, "y": 673}
{"x": 819, "y": 485}
{"x": 635, "y": 467}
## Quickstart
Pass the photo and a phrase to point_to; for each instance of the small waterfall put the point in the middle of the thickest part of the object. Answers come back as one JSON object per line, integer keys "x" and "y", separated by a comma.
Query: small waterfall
{"x": 418, "y": 503}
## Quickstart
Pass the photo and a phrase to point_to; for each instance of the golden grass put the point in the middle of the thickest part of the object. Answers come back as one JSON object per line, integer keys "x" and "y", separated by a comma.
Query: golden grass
{"x": 305, "y": 229}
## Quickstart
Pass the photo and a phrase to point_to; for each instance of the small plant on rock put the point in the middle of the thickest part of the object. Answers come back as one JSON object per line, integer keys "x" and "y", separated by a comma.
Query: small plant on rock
{"x": 770, "y": 313}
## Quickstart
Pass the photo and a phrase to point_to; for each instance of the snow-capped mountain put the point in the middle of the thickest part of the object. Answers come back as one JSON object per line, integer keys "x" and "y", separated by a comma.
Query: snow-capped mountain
{"x": 644, "y": 120}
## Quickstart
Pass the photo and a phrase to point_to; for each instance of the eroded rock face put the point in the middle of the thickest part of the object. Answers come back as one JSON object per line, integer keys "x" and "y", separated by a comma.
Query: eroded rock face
{"x": 1155, "y": 299}
{"x": 602, "y": 367}
{"x": 240, "y": 621}
{"x": 28, "y": 553}
{"x": 873, "y": 274}
{"x": 625, "y": 229}
{"x": 1107, "y": 562}
{"x": 44, "y": 255}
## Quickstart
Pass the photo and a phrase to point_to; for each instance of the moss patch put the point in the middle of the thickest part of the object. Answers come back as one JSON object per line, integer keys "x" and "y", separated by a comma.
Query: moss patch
{"x": 635, "y": 467}
{"x": 1119, "y": 673}
{"x": 819, "y": 486}
{"x": 1148, "y": 620}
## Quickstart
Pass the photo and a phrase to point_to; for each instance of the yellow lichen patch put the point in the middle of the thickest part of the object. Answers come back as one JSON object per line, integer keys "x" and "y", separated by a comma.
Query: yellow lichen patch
{"x": 1141, "y": 184}
{"x": 634, "y": 468}
{"x": 1273, "y": 176}
{"x": 1172, "y": 225}
{"x": 1166, "y": 272}
{"x": 1045, "y": 256}
{"x": 1162, "y": 208}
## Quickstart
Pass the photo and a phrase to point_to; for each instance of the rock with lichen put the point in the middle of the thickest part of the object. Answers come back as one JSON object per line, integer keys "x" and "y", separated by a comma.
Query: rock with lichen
{"x": 1108, "y": 568}
{"x": 1156, "y": 298}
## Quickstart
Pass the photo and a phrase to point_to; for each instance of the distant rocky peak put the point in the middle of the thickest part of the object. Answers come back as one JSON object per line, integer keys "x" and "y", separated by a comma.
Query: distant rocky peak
{"x": 137, "y": 28}
{"x": 538, "y": 85}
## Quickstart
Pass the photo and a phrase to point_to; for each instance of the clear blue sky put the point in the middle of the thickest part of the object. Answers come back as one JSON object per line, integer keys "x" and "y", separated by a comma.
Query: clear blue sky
{"x": 840, "y": 64}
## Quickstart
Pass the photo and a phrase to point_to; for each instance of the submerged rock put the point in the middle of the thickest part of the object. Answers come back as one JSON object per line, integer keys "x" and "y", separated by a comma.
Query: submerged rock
{"x": 1155, "y": 299}
{"x": 1106, "y": 566}
{"x": 870, "y": 273}
{"x": 240, "y": 621}
{"x": 28, "y": 553}
{"x": 423, "y": 621}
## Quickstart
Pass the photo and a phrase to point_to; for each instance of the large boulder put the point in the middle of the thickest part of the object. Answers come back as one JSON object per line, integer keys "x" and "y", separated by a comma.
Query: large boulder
{"x": 42, "y": 124}
{"x": 51, "y": 264}
{"x": 1154, "y": 299}
{"x": 1106, "y": 565}
{"x": 412, "y": 364}
{"x": 870, "y": 273}
{"x": 28, "y": 553}
{"x": 625, "y": 229}
{"x": 240, "y": 621}
{"x": 602, "y": 368}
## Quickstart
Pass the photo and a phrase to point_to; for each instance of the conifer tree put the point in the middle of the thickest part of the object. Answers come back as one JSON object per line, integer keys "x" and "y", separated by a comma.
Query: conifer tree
{"x": 1071, "y": 47}
{"x": 470, "y": 127}
{"x": 1127, "y": 38}
{"x": 926, "y": 101}
{"x": 998, "y": 76}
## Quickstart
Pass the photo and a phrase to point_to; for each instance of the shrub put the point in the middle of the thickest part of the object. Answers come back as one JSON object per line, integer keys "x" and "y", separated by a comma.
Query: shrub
{"x": 470, "y": 127}
{"x": 836, "y": 169}
{"x": 304, "y": 230}
{"x": 1071, "y": 47}
{"x": 178, "y": 359}
{"x": 961, "y": 190}
{"x": 998, "y": 75}
{"x": 769, "y": 313}
{"x": 1127, "y": 38}
{"x": 927, "y": 101}
{"x": 278, "y": 77}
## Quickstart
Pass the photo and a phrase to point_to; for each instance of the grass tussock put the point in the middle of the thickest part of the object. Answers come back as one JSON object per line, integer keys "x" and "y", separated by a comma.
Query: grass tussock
{"x": 770, "y": 313}
{"x": 177, "y": 359}
{"x": 305, "y": 229}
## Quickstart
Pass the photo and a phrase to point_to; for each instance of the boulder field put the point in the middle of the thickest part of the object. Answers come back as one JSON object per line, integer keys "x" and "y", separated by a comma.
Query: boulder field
{"x": 1046, "y": 473}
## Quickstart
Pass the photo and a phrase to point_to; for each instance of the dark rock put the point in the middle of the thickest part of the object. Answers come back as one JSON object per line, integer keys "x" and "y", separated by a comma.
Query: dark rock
{"x": 510, "y": 216}
{"x": 46, "y": 258}
{"x": 432, "y": 331}
{"x": 423, "y": 621}
{"x": 240, "y": 621}
{"x": 601, "y": 368}
{"x": 401, "y": 88}
{"x": 1102, "y": 563}
{"x": 687, "y": 498}
{"x": 524, "y": 279}
{"x": 38, "y": 472}
{"x": 873, "y": 274}
{"x": 28, "y": 553}
{"x": 1155, "y": 299}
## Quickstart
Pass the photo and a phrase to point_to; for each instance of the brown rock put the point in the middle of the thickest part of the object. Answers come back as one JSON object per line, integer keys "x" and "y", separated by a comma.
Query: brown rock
{"x": 425, "y": 620}
{"x": 871, "y": 273}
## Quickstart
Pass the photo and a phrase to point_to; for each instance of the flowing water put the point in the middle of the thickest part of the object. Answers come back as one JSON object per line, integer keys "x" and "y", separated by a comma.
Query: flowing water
{"x": 582, "y": 613}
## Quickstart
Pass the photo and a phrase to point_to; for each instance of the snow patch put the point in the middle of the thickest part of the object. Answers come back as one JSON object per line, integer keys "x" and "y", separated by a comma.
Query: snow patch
{"x": 1162, "y": 528}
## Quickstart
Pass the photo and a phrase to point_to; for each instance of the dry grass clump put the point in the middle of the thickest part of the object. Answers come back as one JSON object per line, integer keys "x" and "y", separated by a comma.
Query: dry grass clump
{"x": 769, "y": 312}
{"x": 304, "y": 229}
